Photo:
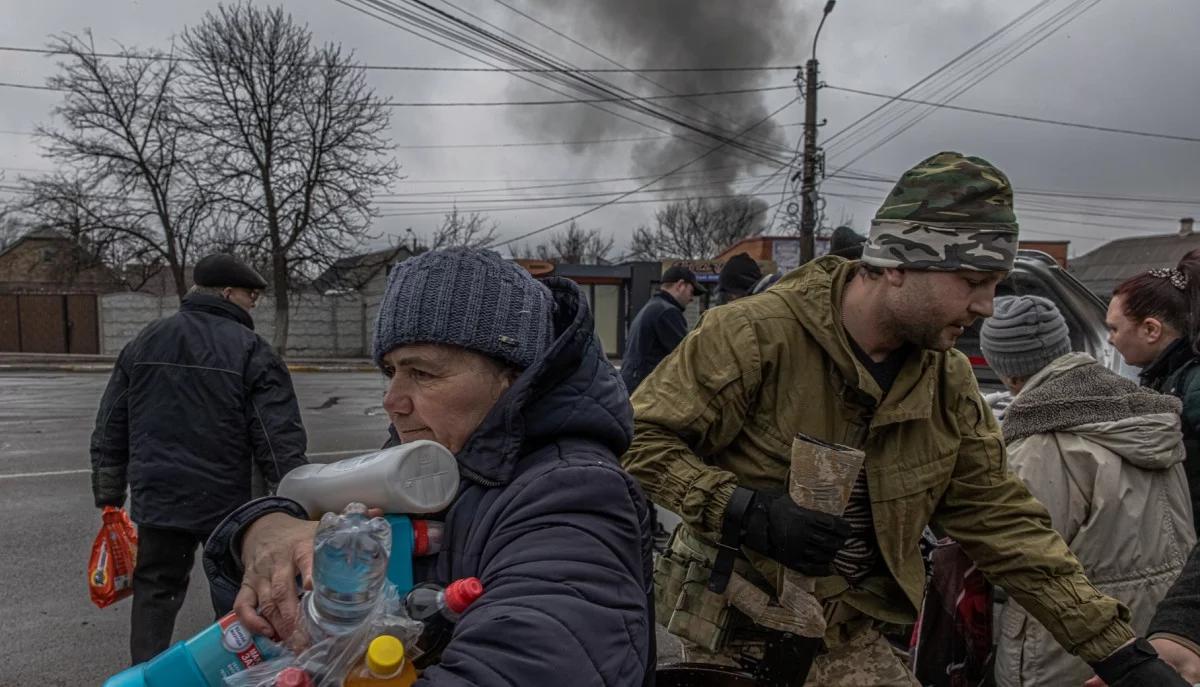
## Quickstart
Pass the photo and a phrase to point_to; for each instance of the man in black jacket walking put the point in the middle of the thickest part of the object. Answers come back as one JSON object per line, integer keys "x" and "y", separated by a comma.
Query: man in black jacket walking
{"x": 195, "y": 402}
{"x": 659, "y": 326}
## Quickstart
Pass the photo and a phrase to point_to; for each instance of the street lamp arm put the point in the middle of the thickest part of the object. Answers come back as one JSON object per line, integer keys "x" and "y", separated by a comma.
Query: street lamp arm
{"x": 828, "y": 8}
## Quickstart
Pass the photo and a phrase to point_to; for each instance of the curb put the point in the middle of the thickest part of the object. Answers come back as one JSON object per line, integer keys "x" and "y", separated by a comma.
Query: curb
{"x": 301, "y": 367}
{"x": 107, "y": 367}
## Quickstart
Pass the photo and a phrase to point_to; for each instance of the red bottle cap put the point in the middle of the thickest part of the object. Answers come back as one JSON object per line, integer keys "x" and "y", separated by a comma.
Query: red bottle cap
{"x": 420, "y": 537}
{"x": 462, "y": 593}
{"x": 293, "y": 677}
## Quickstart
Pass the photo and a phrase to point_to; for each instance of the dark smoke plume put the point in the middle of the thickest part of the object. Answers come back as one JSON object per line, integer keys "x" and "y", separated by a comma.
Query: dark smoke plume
{"x": 680, "y": 33}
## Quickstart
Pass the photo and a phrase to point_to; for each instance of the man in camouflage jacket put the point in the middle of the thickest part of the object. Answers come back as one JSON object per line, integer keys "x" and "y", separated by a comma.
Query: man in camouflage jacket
{"x": 859, "y": 354}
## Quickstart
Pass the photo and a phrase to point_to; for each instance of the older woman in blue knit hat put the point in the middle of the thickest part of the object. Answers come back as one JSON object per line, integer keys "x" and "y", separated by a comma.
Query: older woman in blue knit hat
{"x": 1105, "y": 457}
{"x": 506, "y": 372}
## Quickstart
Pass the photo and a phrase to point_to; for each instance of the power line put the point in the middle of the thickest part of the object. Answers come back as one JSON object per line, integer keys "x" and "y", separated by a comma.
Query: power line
{"x": 584, "y": 101}
{"x": 958, "y": 58}
{"x": 871, "y": 177}
{"x": 31, "y": 87}
{"x": 538, "y": 199}
{"x": 959, "y": 72}
{"x": 1048, "y": 28}
{"x": 506, "y": 144}
{"x": 569, "y": 101}
{"x": 1023, "y": 118}
{"x": 413, "y": 68}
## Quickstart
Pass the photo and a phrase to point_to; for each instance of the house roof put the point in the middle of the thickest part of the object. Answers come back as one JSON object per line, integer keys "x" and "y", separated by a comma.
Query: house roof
{"x": 1102, "y": 269}
{"x": 355, "y": 271}
{"x": 45, "y": 233}
{"x": 584, "y": 271}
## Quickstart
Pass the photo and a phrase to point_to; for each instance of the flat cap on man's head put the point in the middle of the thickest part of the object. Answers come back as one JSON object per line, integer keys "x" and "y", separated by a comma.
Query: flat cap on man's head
{"x": 220, "y": 270}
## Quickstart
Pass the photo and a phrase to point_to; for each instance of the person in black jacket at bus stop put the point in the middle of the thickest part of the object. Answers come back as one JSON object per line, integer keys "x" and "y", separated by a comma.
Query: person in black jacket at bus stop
{"x": 659, "y": 326}
{"x": 195, "y": 402}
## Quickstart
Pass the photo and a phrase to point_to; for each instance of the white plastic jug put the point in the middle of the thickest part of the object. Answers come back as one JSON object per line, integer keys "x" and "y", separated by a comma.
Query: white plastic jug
{"x": 413, "y": 478}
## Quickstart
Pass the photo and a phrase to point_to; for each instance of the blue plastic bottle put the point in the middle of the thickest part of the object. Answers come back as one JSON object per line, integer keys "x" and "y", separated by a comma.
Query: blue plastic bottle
{"x": 222, "y": 649}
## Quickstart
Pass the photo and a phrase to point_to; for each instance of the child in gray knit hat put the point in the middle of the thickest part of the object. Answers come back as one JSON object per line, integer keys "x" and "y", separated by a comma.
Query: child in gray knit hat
{"x": 1023, "y": 335}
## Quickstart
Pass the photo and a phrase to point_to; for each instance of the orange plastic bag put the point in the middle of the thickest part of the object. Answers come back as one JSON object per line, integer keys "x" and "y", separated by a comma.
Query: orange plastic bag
{"x": 110, "y": 570}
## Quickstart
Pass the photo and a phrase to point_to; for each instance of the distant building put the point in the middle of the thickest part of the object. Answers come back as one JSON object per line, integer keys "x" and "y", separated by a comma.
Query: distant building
{"x": 615, "y": 293}
{"x": 1104, "y": 268}
{"x": 46, "y": 260}
{"x": 358, "y": 272}
{"x": 48, "y": 289}
{"x": 1055, "y": 249}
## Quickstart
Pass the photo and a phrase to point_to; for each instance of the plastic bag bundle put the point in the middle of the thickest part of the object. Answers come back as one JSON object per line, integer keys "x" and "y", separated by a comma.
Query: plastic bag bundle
{"x": 114, "y": 552}
{"x": 328, "y": 661}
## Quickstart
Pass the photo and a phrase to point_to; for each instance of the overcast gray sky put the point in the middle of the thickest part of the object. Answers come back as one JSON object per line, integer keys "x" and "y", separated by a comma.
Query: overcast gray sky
{"x": 1120, "y": 64}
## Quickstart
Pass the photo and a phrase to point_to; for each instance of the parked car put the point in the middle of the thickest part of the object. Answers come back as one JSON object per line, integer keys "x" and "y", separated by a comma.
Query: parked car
{"x": 1036, "y": 273}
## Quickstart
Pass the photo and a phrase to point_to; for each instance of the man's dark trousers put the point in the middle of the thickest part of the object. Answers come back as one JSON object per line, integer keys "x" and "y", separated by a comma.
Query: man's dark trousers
{"x": 160, "y": 581}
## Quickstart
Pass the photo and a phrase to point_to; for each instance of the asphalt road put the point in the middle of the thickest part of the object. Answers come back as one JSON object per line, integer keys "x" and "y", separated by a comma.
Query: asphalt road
{"x": 50, "y": 633}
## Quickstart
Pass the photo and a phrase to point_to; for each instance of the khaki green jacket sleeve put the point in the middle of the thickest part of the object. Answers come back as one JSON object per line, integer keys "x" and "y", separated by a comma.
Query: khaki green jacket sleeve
{"x": 690, "y": 408}
{"x": 1008, "y": 534}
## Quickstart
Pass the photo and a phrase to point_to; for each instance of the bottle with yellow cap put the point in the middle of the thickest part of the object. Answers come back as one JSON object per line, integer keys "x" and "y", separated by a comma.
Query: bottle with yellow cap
{"x": 384, "y": 665}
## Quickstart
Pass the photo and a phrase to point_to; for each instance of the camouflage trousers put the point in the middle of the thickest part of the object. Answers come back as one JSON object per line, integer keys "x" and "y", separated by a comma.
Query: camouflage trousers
{"x": 865, "y": 659}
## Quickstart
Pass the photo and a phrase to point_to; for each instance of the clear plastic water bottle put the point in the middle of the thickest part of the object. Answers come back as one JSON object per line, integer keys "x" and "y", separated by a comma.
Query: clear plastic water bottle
{"x": 439, "y": 609}
{"x": 350, "y": 561}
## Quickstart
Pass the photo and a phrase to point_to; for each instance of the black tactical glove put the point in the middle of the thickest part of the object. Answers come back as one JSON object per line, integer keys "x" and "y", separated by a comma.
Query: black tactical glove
{"x": 1137, "y": 665}
{"x": 801, "y": 539}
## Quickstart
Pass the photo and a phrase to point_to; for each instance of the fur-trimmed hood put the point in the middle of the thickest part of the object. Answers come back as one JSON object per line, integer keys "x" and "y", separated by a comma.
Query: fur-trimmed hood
{"x": 1077, "y": 394}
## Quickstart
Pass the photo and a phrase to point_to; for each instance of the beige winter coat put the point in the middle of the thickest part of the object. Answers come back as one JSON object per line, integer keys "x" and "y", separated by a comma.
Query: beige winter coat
{"x": 1106, "y": 459}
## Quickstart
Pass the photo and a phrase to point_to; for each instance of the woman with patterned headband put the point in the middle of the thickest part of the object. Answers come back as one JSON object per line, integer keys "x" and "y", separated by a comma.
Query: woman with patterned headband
{"x": 1152, "y": 321}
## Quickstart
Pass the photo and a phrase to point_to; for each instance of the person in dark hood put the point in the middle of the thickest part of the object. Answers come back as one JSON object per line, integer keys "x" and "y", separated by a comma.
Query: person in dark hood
{"x": 506, "y": 372}
{"x": 197, "y": 403}
{"x": 846, "y": 243}
{"x": 738, "y": 277}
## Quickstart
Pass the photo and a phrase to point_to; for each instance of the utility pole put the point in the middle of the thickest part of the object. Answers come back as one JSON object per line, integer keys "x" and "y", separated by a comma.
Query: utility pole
{"x": 808, "y": 184}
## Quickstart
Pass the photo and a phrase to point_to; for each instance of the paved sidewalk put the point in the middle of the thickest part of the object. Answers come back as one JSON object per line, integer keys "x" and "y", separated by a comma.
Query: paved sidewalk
{"x": 53, "y": 362}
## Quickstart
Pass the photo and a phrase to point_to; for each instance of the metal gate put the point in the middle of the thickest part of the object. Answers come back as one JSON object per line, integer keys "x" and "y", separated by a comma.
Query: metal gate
{"x": 49, "y": 323}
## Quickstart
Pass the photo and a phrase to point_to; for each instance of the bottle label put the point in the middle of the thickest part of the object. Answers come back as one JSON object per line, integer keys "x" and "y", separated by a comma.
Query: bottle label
{"x": 225, "y": 648}
{"x": 238, "y": 641}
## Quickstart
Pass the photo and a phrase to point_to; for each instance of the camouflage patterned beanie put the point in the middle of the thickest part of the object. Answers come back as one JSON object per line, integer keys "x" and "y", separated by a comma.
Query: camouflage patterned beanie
{"x": 950, "y": 212}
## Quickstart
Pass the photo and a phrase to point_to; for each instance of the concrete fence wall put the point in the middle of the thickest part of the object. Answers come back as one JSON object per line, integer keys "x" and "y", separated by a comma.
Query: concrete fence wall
{"x": 333, "y": 326}
{"x": 123, "y": 315}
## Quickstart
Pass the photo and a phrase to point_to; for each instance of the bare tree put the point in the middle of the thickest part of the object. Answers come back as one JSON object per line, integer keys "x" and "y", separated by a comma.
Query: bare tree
{"x": 578, "y": 246}
{"x": 461, "y": 229}
{"x": 294, "y": 141}
{"x": 133, "y": 182}
{"x": 524, "y": 251}
{"x": 698, "y": 229}
{"x": 11, "y": 227}
{"x": 574, "y": 246}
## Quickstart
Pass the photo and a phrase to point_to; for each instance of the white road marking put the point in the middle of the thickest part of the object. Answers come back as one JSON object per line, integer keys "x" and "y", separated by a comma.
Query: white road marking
{"x": 18, "y": 475}
{"x": 55, "y": 473}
